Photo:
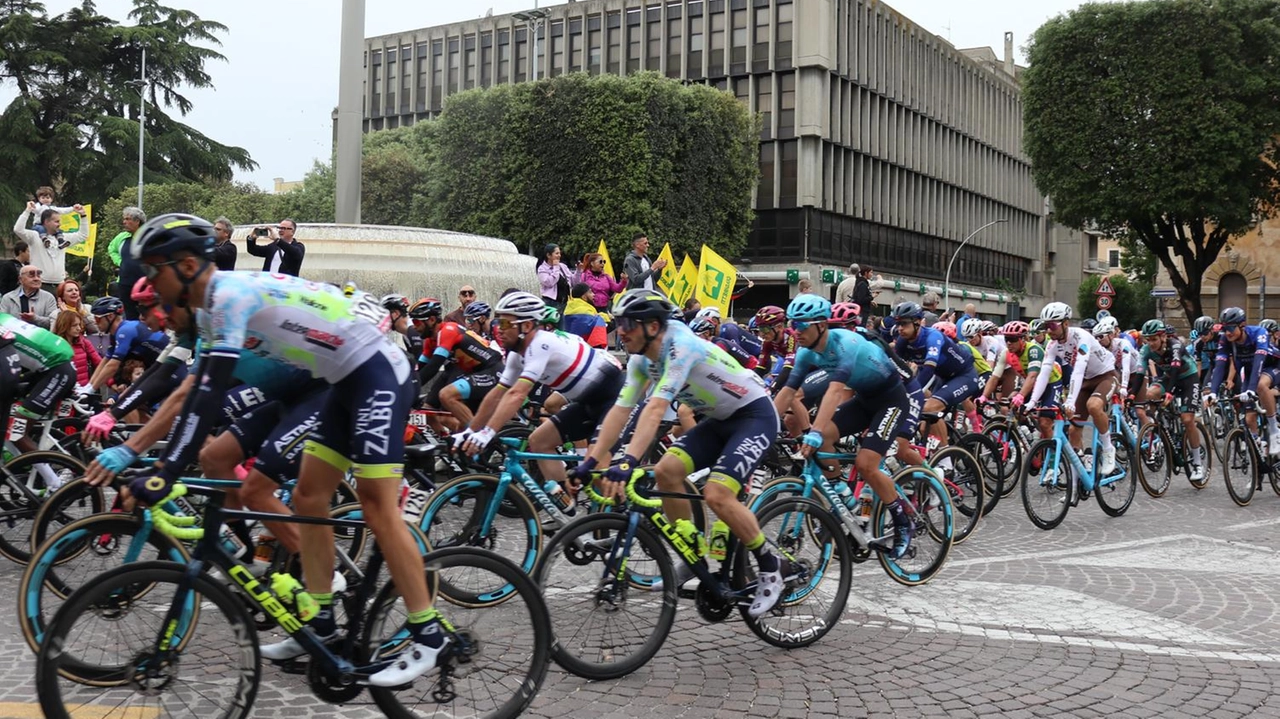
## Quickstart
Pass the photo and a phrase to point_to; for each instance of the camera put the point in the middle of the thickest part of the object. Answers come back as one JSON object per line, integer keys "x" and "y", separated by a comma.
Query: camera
{"x": 261, "y": 232}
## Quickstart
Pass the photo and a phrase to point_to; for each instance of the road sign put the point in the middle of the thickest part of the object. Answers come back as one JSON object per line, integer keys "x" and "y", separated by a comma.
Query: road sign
{"x": 1102, "y": 314}
{"x": 1105, "y": 289}
{"x": 1164, "y": 292}
{"x": 1104, "y": 302}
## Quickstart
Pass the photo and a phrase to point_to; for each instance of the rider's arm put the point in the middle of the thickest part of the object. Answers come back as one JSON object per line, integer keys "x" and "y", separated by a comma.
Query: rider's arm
{"x": 1042, "y": 377}
{"x": 1126, "y": 366}
{"x": 996, "y": 373}
{"x": 506, "y": 402}
{"x": 200, "y": 410}
{"x": 933, "y": 355}
{"x": 803, "y": 363}
{"x": 646, "y": 429}
{"x": 610, "y": 429}
{"x": 1077, "y": 374}
{"x": 157, "y": 381}
{"x": 1261, "y": 351}
{"x": 1219, "y": 368}
{"x": 162, "y": 421}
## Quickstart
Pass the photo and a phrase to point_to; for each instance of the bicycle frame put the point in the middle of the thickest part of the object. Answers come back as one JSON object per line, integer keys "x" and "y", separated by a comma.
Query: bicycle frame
{"x": 1085, "y": 477}
{"x": 854, "y": 523}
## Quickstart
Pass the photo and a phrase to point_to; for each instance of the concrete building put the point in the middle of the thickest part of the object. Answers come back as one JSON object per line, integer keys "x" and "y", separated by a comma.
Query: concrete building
{"x": 881, "y": 143}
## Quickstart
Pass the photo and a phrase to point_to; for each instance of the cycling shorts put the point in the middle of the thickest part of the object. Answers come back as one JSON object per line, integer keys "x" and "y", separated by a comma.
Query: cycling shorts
{"x": 473, "y": 388}
{"x": 277, "y": 432}
{"x": 1185, "y": 391}
{"x": 915, "y": 400}
{"x": 580, "y": 418}
{"x": 49, "y": 388}
{"x": 731, "y": 447}
{"x": 1102, "y": 385}
{"x": 1049, "y": 401}
{"x": 880, "y": 415}
{"x": 958, "y": 389}
{"x": 445, "y": 378}
{"x": 361, "y": 425}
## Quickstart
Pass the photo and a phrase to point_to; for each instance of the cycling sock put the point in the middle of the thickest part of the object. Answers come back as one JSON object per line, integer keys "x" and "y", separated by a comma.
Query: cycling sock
{"x": 898, "y": 509}
{"x": 765, "y": 557}
{"x": 1104, "y": 438}
{"x": 1271, "y": 424}
{"x": 323, "y": 622}
{"x": 1195, "y": 456}
{"x": 975, "y": 420}
{"x": 428, "y": 627}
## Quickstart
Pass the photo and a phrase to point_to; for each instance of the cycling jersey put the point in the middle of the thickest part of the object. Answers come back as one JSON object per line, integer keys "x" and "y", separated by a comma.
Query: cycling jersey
{"x": 1126, "y": 359}
{"x": 743, "y": 346}
{"x": 1174, "y": 363}
{"x": 698, "y": 374}
{"x": 1088, "y": 359}
{"x": 563, "y": 362}
{"x": 304, "y": 324}
{"x": 1139, "y": 367}
{"x": 134, "y": 340}
{"x": 783, "y": 348}
{"x": 993, "y": 348}
{"x": 980, "y": 363}
{"x": 934, "y": 353}
{"x": 468, "y": 350}
{"x": 1250, "y": 354}
{"x": 859, "y": 363}
{"x": 38, "y": 348}
{"x": 1031, "y": 359}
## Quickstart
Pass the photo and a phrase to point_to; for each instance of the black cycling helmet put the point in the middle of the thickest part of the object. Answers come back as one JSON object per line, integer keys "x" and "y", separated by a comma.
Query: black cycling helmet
{"x": 1088, "y": 324}
{"x": 166, "y": 234}
{"x": 425, "y": 308}
{"x": 1232, "y": 316}
{"x": 1270, "y": 325}
{"x": 106, "y": 306}
{"x": 907, "y": 311}
{"x": 1203, "y": 325}
{"x": 643, "y": 304}
{"x": 397, "y": 303}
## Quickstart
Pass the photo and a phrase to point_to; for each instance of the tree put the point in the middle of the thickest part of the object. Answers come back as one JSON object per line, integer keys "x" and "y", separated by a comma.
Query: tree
{"x": 1158, "y": 120}
{"x": 74, "y": 122}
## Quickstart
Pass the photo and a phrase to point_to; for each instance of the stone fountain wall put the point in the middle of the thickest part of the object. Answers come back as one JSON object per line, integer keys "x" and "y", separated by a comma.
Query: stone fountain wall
{"x": 412, "y": 261}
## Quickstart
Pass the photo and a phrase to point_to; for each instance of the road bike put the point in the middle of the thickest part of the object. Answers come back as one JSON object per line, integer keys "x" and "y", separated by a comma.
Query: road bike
{"x": 1246, "y": 456}
{"x": 1163, "y": 451}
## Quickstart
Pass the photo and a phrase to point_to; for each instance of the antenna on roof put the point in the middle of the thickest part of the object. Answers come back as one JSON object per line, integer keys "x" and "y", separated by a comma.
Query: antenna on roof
{"x": 489, "y": 13}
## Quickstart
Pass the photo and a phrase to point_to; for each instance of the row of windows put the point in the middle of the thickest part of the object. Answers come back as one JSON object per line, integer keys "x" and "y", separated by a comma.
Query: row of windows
{"x": 880, "y": 50}
{"x": 780, "y": 236}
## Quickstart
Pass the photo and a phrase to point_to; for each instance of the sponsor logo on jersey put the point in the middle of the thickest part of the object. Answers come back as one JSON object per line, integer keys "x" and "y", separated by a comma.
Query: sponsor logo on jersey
{"x": 310, "y": 302}
{"x": 373, "y": 421}
{"x": 327, "y": 340}
{"x": 731, "y": 388}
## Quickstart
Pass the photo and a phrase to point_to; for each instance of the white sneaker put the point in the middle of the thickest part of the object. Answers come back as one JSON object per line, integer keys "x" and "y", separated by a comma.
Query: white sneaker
{"x": 1197, "y": 473}
{"x": 684, "y": 573}
{"x": 288, "y": 649}
{"x": 1273, "y": 443}
{"x": 768, "y": 592}
{"x": 410, "y": 664}
{"x": 1108, "y": 463}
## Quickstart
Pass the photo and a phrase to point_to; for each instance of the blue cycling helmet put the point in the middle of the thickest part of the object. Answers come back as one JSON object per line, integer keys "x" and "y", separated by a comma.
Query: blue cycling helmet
{"x": 476, "y": 311}
{"x": 809, "y": 308}
{"x": 907, "y": 311}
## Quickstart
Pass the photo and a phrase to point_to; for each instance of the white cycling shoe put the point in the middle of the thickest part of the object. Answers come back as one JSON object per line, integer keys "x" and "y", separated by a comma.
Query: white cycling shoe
{"x": 414, "y": 662}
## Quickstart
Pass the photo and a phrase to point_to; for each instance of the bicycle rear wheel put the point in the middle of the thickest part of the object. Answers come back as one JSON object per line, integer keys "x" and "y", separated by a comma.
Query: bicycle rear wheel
{"x": 1010, "y": 454}
{"x": 1115, "y": 493}
{"x": 606, "y": 626}
{"x": 933, "y": 528}
{"x": 501, "y": 651}
{"x": 37, "y": 472}
{"x": 1046, "y": 484}
{"x": 72, "y": 501}
{"x": 74, "y": 556}
{"x": 994, "y": 472}
{"x": 1240, "y": 465}
{"x": 112, "y": 629}
{"x": 1153, "y": 455}
{"x": 966, "y": 487}
{"x": 812, "y": 542}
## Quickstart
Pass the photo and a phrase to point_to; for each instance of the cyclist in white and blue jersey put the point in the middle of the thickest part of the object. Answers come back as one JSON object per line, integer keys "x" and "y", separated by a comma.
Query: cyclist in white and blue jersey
{"x": 1249, "y": 346}
{"x": 738, "y": 425}
{"x": 866, "y": 392}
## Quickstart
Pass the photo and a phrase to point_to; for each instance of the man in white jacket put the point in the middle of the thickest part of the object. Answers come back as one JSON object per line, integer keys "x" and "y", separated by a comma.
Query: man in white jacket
{"x": 49, "y": 252}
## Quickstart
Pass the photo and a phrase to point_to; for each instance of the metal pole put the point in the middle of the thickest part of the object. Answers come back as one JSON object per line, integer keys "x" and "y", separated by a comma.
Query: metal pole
{"x": 537, "y": 24}
{"x": 946, "y": 285}
{"x": 142, "y": 121}
{"x": 350, "y": 135}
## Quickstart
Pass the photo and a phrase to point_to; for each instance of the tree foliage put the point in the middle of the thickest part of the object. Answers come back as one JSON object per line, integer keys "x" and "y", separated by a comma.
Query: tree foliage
{"x": 74, "y": 122}
{"x": 1158, "y": 120}
{"x": 1132, "y": 304}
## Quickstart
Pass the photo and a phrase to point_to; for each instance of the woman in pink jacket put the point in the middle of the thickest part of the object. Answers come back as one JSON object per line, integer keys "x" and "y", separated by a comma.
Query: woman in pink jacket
{"x": 69, "y": 325}
{"x": 603, "y": 287}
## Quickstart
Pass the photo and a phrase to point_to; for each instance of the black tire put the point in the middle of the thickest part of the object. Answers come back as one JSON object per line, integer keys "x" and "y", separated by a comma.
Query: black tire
{"x": 1045, "y": 498}
{"x": 606, "y": 627}
{"x": 18, "y": 507}
{"x": 967, "y": 487}
{"x": 1240, "y": 465}
{"x": 994, "y": 470}
{"x": 513, "y": 639}
{"x": 934, "y": 527}
{"x": 454, "y": 515}
{"x": 1154, "y": 456}
{"x": 1206, "y": 454}
{"x": 1116, "y": 496}
{"x": 76, "y": 554}
{"x": 1010, "y": 449}
{"x": 73, "y": 500}
{"x": 89, "y": 634}
{"x": 813, "y": 542}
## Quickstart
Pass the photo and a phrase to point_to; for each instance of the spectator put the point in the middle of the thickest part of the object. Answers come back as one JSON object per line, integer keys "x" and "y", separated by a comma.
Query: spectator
{"x": 602, "y": 286}
{"x": 804, "y": 287}
{"x": 466, "y": 296}
{"x": 691, "y": 309}
{"x": 844, "y": 291}
{"x": 9, "y": 269}
{"x": 554, "y": 276}
{"x": 862, "y": 292}
{"x": 283, "y": 254}
{"x": 70, "y": 326}
{"x": 639, "y": 271}
{"x": 44, "y": 201}
{"x": 930, "y": 303}
{"x": 49, "y": 250}
{"x": 970, "y": 311}
{"x": 130, "y": 269}
{"x": 29, "y": 303}
{"x": 71, "y": 300}
{"x": 224, "y": 250}
{"x": 582, "y": 319}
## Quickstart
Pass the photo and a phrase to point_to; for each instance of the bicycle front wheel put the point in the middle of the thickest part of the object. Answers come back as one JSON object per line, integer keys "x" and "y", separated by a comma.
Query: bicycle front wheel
{"x": 994, "y": 471}
{"x": 608, "y": 622}
{"x": 1010, "y": 451}
{"x": 1153, "y": 455}
{"x": 1240, "y": 466}
{"x": 500, "y": 653}
{"x": 814, "y": 550}
{"x": 933, "y": 530}
{"x": 1046, "y": 484}
{"x": 28, "y": 478}
{"x": 111, "y": 628}
{"x": 1115, "y": 493}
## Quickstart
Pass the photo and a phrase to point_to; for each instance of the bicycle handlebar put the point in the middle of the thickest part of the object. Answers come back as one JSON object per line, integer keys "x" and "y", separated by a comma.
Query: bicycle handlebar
{"x": 632, "y": 495}
{"x": 172, "y": 525}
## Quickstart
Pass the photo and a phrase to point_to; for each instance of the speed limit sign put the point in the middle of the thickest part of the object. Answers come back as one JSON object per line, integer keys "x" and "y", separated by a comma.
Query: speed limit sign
{"x": 1104, "y": 302}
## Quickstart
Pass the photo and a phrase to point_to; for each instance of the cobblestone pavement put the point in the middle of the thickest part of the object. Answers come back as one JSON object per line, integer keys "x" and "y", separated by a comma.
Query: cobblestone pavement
{"x": 1172, "y": 610}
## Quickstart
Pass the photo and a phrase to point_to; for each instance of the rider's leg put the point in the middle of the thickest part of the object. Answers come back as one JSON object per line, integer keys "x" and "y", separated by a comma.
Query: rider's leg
{"x": 545, "y": 439}
{"x": 453, "y": 399}
{"x": 670, "y": 473}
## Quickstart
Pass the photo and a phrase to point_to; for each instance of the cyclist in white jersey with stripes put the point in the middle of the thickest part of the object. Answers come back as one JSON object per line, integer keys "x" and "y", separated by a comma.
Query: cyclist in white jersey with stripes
{"x": 1093, "y": 377}
{"x": 589, "y": 379}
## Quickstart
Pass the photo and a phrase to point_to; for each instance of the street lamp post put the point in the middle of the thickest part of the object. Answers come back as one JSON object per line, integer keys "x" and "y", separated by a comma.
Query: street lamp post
{"x": 141, "y": 82}
{"x": 533, "y": 21}
{"x": 946, "y": 285}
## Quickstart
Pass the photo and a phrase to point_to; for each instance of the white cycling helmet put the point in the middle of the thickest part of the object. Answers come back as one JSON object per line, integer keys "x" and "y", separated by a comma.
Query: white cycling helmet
{"x": 707, "y": 313}
{"x": 972, "y": 328}
{"x": 522, "y": 306}
{"x": 1056, "y": 312}
{"x": 1106, "y": 326}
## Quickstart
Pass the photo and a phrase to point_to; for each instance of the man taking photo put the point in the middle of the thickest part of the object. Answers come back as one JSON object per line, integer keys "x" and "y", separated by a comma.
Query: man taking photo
{"x": 282, "y": 254}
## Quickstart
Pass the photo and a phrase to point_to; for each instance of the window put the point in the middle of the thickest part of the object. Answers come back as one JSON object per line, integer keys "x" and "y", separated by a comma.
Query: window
{"x": 613, "y": 43}
{"x": 557, "y": 49}
{"x": 575, "y": 46}
{"x": 376, "y": 101}
{"x": 486, "y": 60}
{"x": 469, "y": 69}
{"x": 674, "y": 27}
{"x": 782, "y": 43}
{"x": 764, "y": 106}
{"x": 633, "y": 40}
{"x": 424, "y": 77}
{"x": 437, "y": 75}
{"x": 406, "y": 79}
{"x": 695, "y": 46}
{"x": 593, "y": 51}
{"x": 455, "y": 61}
{"x": 742, "y": 90}
{"x": 786, "y": 105}
{"x": 653, "y": 60}
{"x": 504, "y": 56}
{"x": 738, "y": 53}
{"x": 789, "y": 161}
{"x": 391, "y": 82}
{"x": 522, "y": 55}
{"x": 760, "y": 52}
{"x": 1113, "y": 259}
{"x": 715, "y": 63}
{"x": 764, "y": 191}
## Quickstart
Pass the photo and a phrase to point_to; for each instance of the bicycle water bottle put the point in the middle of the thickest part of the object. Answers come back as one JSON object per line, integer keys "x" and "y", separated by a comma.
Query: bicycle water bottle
{"x": 232, "y": 543}
{"x": 289, "y": 591}
{"x": 558, "y": 495}
{"x": 867, "y": 498}
{"x": 844, "y": 492}
{"x": 719, "y": 541}
{"x": 692, "y": 537}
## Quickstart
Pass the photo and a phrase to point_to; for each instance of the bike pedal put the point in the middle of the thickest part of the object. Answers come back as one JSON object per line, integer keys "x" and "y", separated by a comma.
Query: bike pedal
{"x": 294, "y": 666}
{"x": 685, "y": 593}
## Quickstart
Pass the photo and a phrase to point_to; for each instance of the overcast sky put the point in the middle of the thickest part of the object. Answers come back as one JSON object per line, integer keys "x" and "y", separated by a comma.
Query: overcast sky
{"x": 274, "y": 94}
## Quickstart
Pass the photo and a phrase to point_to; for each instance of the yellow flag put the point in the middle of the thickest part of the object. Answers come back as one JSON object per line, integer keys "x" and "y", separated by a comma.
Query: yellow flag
{"x": 71, "y": 221}
{"x": 667, "y": 281}
{"x": 685, "y": 281}
{"x": 608, "y": 264}
{"x": 85, "y": 249}
{"x": 716, "y": 276}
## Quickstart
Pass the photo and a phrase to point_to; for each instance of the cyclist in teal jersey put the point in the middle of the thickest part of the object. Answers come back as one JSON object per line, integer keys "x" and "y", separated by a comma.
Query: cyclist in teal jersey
{"x": 39, "y": 357}
{"x": 738, "y": 425}
{"x": 339, "y": 340}
{"x": 1176, "y": 377}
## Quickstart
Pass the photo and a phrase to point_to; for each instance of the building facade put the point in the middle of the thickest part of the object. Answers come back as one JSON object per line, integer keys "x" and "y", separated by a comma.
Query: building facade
{"x": 881, "y": 143}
